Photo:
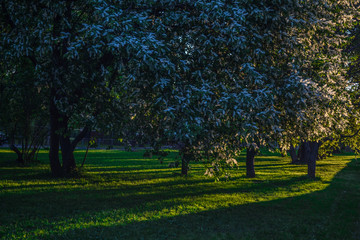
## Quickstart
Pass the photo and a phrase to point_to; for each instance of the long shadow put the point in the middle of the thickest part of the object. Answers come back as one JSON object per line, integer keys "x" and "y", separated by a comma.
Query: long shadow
{"x": 118, "y": 173}
{"x": 16, "y": 173}
{"x": 273, "y": 165}
{"x": 128, "y": 197}
{"x": 333, "y": 213}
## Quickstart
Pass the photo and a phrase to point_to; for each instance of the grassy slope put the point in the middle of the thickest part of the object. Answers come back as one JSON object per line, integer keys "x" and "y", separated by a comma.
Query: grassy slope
{"x": 123, "y": 196}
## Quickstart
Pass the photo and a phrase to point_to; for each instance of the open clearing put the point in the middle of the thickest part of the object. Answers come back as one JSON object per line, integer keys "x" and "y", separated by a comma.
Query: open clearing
{"x": 121, "y": 195}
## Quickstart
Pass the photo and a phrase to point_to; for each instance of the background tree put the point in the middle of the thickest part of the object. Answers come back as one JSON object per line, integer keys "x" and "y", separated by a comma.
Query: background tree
{"x": 250, "y": 74}
{"x": 322, "y": 65}
{"x": 23, "y": 110}
{"x": 82, "y": 51}
{"x": 350, "y": 136}
{"x": 228, "y": 85}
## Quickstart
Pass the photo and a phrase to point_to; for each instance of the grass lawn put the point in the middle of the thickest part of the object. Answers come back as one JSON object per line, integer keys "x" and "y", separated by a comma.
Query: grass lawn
{"x": 123, "y": 196}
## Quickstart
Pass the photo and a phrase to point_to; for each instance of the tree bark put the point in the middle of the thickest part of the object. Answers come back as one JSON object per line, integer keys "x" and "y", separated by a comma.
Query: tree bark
{"x": 20, "y": 159}
{"x": 250, "y": 157}
{"x": 304, "y": 152}
{"x": 313, "y": 154}
{"x": 85, "y": 132}
{"x": 292, "y": 152}
{"x": 55, "y": 166}
{"x": 67, "y": 153}
{"x": 184, "y": 166}
{"x": 54, "y": 139}
{"x": 186, "y": 157}
{"x": 67, "y": 148}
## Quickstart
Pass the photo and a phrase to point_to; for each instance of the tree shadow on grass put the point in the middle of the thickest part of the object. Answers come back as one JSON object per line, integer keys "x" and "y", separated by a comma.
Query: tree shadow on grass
{"x": 272, "y": 165}
{"x": 28, "y": 174}
{"x": 332, "y": 213}
{"x": 139, "y": 198}
{"x": 115, "y": 173}
{"x": 252, "y": 219}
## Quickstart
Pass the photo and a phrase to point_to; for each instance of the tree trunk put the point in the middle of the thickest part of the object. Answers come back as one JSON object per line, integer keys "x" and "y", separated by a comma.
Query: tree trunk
{"x": 300, "y": 151}
{"x": 250, "y": 157}
{"x": 67, "y": 149}
{"x": 184, "y": 166}
{"x": 292, "y": 152}
{"x": 313, "y": 154}
{"x": 54, "y": 139}
{"x": 55, "y": 166}
{"x": 67, "y": 153}
{"x": 304, "y": 152}
{"x": 20, "y": 159}
{"x": 186, "y": 157}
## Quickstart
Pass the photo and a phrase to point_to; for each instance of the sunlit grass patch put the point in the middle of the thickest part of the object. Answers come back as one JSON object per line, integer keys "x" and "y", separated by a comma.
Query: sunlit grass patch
{"x": 122, "y": 195}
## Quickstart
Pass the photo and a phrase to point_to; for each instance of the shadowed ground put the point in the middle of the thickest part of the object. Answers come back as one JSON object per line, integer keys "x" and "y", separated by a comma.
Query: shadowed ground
{"x": 123, "y": 196}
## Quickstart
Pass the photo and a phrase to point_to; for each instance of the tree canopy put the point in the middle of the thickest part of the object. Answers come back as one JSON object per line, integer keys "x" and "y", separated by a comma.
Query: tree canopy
{"x": 211, "y": 76}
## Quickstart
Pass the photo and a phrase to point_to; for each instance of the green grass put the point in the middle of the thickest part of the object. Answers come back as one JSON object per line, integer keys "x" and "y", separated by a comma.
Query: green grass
{"x": 123, "y": 196}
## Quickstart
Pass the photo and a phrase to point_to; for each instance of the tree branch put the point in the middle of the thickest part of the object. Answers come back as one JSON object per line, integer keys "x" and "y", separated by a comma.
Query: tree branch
{"x": 86, "y": 130}
{"x": 32, "y": 59}
{"x": 350, "y": 136}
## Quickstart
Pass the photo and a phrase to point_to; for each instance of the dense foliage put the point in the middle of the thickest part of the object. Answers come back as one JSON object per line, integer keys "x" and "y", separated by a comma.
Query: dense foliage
{"x": 211, "y": 77}
{"x": 250, "y": 74}
{"x": 23, "y": 118}
{"x": 81, "y": 51}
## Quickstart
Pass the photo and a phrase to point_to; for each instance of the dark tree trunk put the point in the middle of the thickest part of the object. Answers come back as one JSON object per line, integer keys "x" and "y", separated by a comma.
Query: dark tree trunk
{"x": 54, "y": 139}
{"x": 300, "y": 151}
{"x": 250, "y": 157}
{"x": 186, "y": 157}
{"x": 67, "y": 149}
{"x": 20, "y": 159}
{"x": 184, "y": 166}
{"x": 313, "y": 154}
{"x": 55, "y": 127}
{"x": 67, "y": 153}
{"x": 85, "y": 132}
{"x": 30, "y": 155}
{"x": 293, "y": 155}
{"x": 304, "y": 152}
